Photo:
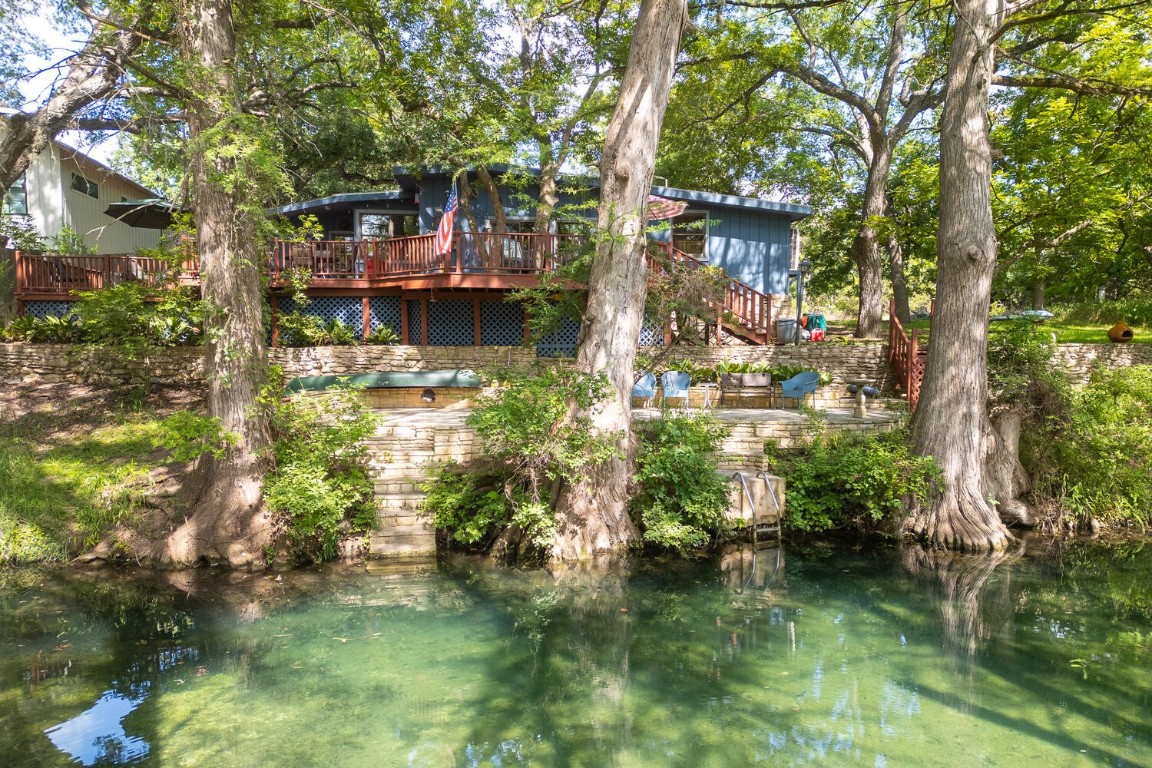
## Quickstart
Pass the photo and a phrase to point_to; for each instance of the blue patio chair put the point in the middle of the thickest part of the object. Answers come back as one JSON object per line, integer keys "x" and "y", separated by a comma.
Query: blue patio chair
{"x": 800, "y": 385}
{"x": 675, "y": 385}
{"x": 646, "y": 389}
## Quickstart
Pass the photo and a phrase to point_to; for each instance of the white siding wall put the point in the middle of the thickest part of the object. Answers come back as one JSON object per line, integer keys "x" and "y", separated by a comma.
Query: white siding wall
{"x": 53, "y": 204}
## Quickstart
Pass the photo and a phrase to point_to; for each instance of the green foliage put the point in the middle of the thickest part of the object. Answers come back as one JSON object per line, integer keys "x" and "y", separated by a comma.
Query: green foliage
{"x": 1134, "y": 309}
{"x": 383, "y": 335}
{"x": 187, "y": 436}
{"x": 680, "y": 499}
{"x": 319, "y": 482}
{"x": 70, "y": 242}
{"x": 1019, "y": 361}
{"x": 466, "y": 503}
{"x": 1092, "y": 458}
{"x": 298, "y": 329}
{"x": 132, "y": 315}
{"x": 525, "y": 425}
{"x": 532, "y": 444}
{"x": 861, "y": 482}
{"x": 57, "y": 496}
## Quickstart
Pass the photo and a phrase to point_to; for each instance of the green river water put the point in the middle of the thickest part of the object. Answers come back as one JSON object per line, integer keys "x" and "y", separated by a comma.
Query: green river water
{"x": 803, "y": 657}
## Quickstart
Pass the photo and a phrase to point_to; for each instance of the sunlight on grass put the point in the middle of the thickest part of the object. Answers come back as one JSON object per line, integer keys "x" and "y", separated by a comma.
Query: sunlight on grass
{"x": 55, "y": 496}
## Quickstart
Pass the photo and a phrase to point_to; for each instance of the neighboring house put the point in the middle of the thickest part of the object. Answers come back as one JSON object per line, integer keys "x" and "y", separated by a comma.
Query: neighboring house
{"x": 377, "y": 262}
{"x": 63, "y": 187}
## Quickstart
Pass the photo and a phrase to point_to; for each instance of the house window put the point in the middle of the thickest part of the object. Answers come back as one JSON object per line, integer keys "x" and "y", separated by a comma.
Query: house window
{"x": 16, "y": 198}
{"x": 81, "y": 184}
{"x": 381, "y": 224}
{"x": 689, "y": 232}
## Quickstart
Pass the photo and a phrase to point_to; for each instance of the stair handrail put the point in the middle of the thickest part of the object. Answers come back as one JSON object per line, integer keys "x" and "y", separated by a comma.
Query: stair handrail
{"x": 749, "y": 306}
{"x": 904, "y": 356}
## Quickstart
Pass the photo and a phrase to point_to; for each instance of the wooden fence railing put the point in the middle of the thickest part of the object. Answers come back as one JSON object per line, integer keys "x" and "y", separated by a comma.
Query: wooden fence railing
{"x": 906, "y": 356}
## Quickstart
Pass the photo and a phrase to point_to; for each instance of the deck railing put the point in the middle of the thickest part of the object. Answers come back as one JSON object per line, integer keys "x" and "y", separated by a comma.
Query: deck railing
{"x": 905, "y": 355}
{"x": 511, "y": 253}
{"x": 743, "y": 308}
{"x": 63, "y": 274}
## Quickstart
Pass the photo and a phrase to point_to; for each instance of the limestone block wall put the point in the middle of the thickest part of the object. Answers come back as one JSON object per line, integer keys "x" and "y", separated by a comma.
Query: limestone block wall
{"x": 328, "y": 361}
{"x": 32, "y": 364}
{"x": 1078, "y": 360}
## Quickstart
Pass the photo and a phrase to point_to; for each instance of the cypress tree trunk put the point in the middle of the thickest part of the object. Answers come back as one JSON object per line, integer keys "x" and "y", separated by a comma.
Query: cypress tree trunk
{"x": 226, "y": 521}
{"x": 951, "y": 421}
{"x": 593, "y": 515}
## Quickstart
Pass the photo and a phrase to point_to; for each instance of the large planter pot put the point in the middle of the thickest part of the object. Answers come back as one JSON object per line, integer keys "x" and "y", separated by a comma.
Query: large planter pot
{"x": 1120, "y": 333}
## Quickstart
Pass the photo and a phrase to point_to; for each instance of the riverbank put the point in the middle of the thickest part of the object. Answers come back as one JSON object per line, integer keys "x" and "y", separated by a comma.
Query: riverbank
{"x": 77, "y": 462}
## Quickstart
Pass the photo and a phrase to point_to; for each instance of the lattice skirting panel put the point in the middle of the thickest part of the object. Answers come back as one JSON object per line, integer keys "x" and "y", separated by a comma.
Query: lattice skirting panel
{"x": 450, "y": 324}
{"x": 501, "y": 323}
{"x": 560, "y": 343}
{"x": 385, "y": 310}
{"x": 347, "y": 309}
{"x": 43, "y": 309}
{"x": 651, "y": 334}
{"x": 414, "y": 326}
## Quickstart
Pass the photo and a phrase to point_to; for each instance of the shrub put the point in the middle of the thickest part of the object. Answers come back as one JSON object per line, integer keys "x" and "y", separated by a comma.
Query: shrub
{"x": 1092, "y": 459}
{"x": 680, "y": 500}
{"x": 385, "y": 334}
{"x": 133, "y": 315}
{"x": 532, "y": 444}
{"x": 861, "y": 482}
{"x": 319, "y": 482}
{"x": 298, "y": 329}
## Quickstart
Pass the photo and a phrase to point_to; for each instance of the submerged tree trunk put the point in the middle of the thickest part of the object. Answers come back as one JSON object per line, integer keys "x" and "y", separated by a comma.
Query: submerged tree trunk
{"x": 226, "y": 520}
{"x": 951, "y": 422}
{"x": 593, "y": 515}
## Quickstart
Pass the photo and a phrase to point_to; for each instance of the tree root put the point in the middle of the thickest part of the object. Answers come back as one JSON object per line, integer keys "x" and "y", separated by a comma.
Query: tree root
{"x": 959, "y": 519}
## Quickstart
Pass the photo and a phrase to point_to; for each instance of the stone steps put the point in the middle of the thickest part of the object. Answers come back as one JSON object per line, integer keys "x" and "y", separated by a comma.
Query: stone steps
{"x": 400, "y": 460}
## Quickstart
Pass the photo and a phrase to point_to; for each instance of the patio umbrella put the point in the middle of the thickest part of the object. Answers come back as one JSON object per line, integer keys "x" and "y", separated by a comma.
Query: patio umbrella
{"x": 155, "y": 213}
{"x": 663, "y": 208}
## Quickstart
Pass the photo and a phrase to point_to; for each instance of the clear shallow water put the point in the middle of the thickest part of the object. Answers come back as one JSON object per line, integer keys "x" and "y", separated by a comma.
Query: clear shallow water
{"x": 815, "y": 657}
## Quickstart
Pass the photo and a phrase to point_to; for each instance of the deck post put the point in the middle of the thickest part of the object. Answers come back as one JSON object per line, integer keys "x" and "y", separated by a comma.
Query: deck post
{"x": 367, "y": 322}
{"x": 274, "y": 317}
{"x": 477, "y": 331}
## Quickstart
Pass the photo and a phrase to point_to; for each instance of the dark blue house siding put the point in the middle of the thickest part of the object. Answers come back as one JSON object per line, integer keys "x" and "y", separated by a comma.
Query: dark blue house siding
{"x": 750, "y": 246}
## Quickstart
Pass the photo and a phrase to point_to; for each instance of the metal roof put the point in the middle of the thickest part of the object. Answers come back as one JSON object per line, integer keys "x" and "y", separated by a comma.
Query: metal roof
{"x": 346, "y": 200}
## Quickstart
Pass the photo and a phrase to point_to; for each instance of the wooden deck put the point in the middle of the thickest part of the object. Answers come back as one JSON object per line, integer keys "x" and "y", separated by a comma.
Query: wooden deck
{"x": 481, "y": 262}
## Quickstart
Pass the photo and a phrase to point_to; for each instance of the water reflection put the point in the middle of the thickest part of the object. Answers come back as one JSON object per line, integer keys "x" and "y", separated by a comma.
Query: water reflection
{"x": 820, "y": 657}
{"x": 97, "y": 735}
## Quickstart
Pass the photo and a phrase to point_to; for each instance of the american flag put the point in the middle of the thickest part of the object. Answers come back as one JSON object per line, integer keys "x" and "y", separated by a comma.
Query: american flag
{"x": 663, "y": 208}
{"x": 444, "y": 231}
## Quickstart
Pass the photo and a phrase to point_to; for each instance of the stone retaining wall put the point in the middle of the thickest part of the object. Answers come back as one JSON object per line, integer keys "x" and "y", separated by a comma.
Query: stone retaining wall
{"x": 55, "y": 363}
{"x": 1078, "y": 360}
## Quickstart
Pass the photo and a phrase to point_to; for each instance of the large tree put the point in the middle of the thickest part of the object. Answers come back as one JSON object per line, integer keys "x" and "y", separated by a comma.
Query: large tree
{"x": 593, "y": 515}
{"x": 226, "y": 521}
{"x": 952, "y": 422}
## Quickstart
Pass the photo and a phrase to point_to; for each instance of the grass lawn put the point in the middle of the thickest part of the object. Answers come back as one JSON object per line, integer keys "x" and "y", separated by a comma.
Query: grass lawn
{"x": 1067, "y": 331}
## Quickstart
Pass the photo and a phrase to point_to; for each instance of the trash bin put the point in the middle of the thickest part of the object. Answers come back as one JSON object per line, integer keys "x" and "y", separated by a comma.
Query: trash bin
{"x": 785, "y": 330}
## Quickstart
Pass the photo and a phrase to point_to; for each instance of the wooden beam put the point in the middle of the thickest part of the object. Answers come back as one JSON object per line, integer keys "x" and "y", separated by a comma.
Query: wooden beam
{"x": 424, "y": 322}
